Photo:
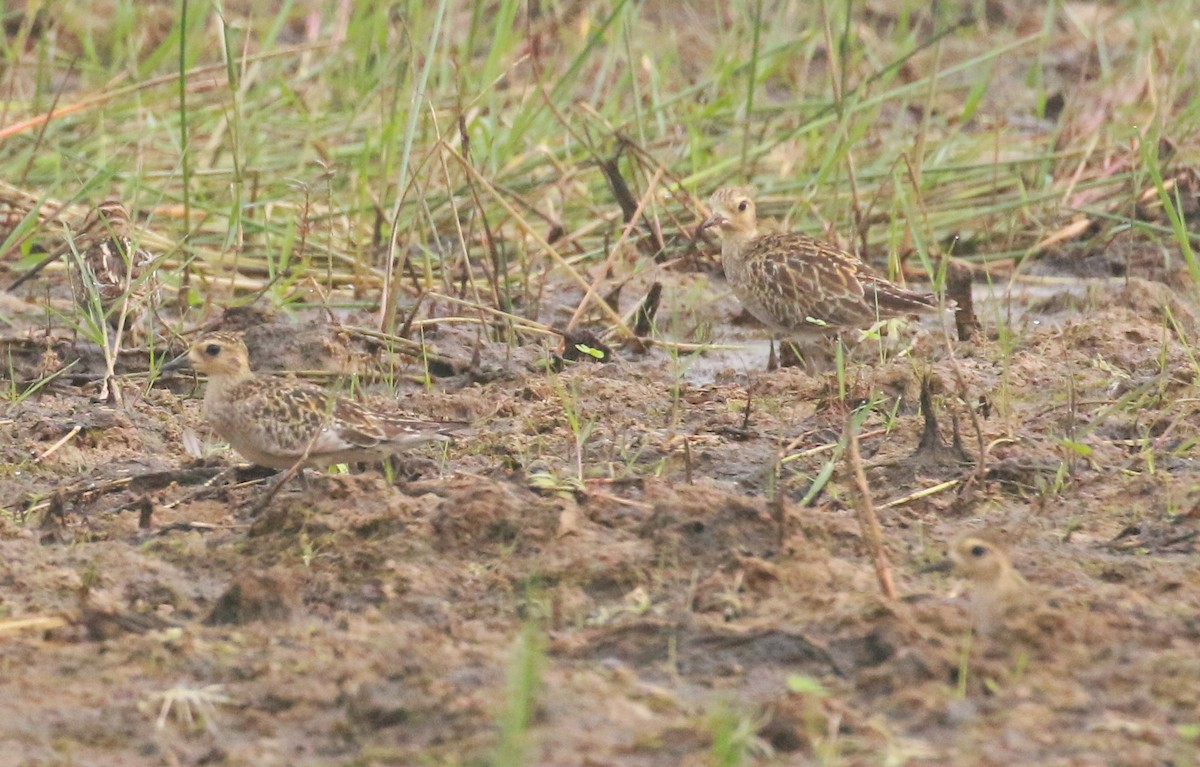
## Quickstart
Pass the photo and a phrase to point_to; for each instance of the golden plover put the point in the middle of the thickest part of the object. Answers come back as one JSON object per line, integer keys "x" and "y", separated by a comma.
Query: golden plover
{"x": 110, "y": 268}
{"x": 799, "y": 286}
{"x": 284, "y": 424}
{"x": 997, "y": 590}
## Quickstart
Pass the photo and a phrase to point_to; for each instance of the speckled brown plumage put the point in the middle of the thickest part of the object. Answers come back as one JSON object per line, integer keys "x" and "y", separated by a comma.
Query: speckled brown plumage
{"x": 799, "y": 285}
{"x": 276, "y": 422}
{"x": 13, "y": 210}
{"x": 17, "y": 205}
{"x": 110, "y": 267}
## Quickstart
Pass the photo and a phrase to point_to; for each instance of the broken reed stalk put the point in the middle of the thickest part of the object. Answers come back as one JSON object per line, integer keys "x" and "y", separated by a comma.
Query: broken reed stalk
{"x": 602, "y": 273}
{"x": 867, "y": 519}
{"x": 618, "y": 324}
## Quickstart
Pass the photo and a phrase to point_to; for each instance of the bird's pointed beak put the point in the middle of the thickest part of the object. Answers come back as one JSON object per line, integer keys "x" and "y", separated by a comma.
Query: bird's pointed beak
{"x": 179, "y": 363}
{"x": 715, "y": 219}
{"x": 943, "y": 566}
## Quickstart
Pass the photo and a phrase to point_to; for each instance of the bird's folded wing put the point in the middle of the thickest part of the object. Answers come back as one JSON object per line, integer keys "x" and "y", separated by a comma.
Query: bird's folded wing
{"x": 802, "y": 280}
{"x": 295, "y": 419}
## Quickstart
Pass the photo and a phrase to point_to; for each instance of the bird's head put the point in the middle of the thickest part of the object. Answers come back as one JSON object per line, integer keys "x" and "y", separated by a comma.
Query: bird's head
{"x": 732, "y": 212}
{"x": 217, "y": 355}
{"x": 109, "y": 218}
{"x": 979, "y": 560}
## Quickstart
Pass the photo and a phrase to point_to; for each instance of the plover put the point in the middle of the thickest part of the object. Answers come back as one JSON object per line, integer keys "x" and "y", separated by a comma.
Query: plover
{"x": 801, "y": 287}
{"x": 998, "y": 591}
{"x": 285, "y": 424}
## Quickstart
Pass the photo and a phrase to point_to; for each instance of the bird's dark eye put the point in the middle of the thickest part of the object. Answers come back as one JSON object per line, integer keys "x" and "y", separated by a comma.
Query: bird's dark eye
{"x": 743, "y": 205}
{"x": 212, "y": 350}
{"x": 978, "y": 550}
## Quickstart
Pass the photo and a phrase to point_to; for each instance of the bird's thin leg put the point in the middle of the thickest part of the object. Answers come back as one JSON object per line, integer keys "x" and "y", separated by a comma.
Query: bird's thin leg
{"x": 749, "y": 401}
{"x": 791, "y": 354}
{"x": 772, "y": 360}
{"x": 293, "y": 470}
{"x": 839, "y": 367}
{"x": 275, "y": 487}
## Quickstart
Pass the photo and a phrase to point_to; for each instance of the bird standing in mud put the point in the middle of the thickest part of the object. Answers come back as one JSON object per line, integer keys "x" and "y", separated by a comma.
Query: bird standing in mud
{"x": 290, "y": 425}
{"x": 801, "y": 287}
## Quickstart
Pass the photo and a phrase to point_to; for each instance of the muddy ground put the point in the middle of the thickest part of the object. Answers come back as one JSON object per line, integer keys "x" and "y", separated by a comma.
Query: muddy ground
{"x": 362, "y": 620}
{"x": 662, "y": 551}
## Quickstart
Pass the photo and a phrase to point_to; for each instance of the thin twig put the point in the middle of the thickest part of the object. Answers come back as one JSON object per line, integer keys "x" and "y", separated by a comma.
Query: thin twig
{"x": 603, "y": 270}
{"x": 558, "y": 259}
{"x": 45, "y": 623}
{"x": 789, "y": 456}
{"x": 65, "y": 439}
{"x": 867, "y": 519}
{"x": 922, "y": 493}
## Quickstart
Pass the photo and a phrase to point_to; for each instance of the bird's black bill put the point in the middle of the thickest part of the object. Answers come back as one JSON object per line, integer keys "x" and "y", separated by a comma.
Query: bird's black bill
{"x": 179, "y": 363}
{"x": 709, "y": 223}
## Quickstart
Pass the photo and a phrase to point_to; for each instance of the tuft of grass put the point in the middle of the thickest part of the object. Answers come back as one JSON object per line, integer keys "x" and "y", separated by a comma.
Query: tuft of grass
{"x": 729, "y": 744}
{"x": 368, "y": 109}
{"x": 193, "y": 707}
{"x": 734, "y": 736}
{"x": 580, "y": 425}
{"x": 964, "y": 664}
{"x": 522, "y": 688}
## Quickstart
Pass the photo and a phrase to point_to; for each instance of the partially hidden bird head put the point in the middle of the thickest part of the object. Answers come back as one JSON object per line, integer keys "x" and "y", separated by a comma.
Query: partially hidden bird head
{"x": 732, "y": 213}
{"x": 109, "y": 218}
{"x": 220, "y": 355}
{"x": 979, "y": 560}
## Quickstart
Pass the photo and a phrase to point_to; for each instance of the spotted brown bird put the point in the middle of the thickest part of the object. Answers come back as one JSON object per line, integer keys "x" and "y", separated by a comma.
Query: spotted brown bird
{"x": 285, "y": 424}
{"x": 799, "y": 286}
{"x": 110, "y": 268}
